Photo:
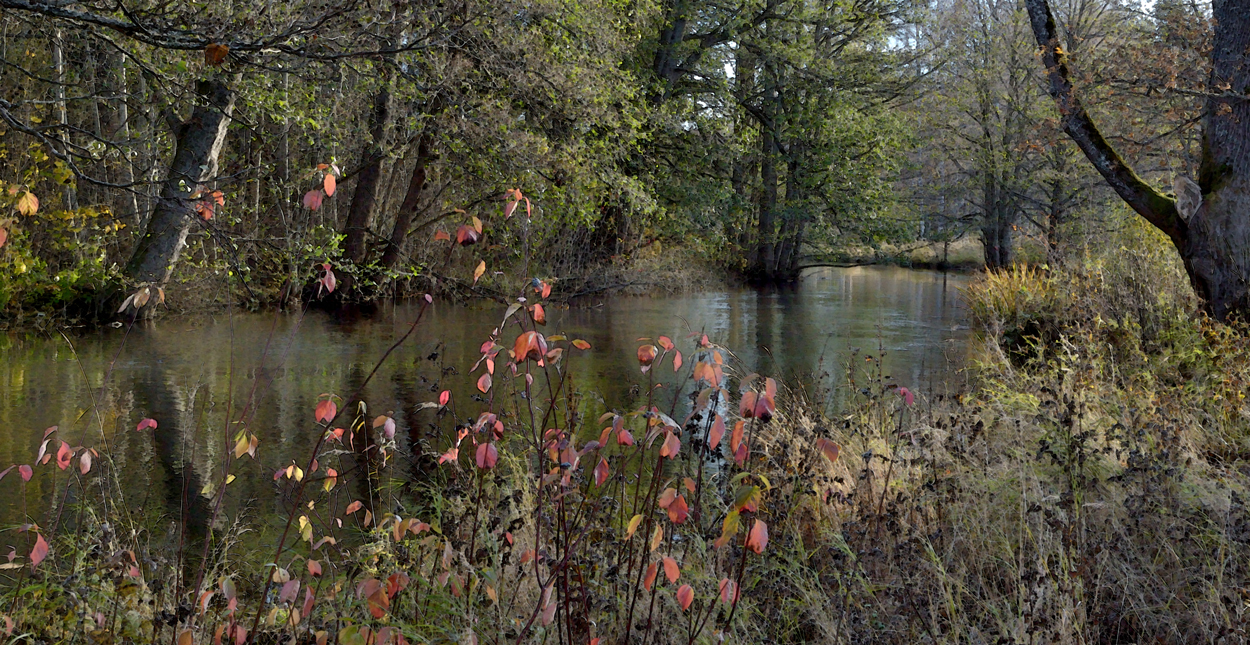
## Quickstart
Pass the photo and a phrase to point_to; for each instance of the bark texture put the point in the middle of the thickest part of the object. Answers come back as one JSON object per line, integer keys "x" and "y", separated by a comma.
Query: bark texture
{"x": 368, "y": 181}
{"x": 200, "y": 140}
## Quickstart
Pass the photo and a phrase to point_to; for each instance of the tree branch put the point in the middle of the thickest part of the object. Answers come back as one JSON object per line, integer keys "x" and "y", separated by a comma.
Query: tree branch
{"x": 1156, "y": 207}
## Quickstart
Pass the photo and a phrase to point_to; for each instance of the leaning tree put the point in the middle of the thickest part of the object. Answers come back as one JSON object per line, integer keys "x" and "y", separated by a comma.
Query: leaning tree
{"x": 1209, "y": 225}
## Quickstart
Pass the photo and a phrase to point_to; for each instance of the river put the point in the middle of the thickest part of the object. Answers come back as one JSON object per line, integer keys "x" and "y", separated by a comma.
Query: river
{"x": 189, "y": 373}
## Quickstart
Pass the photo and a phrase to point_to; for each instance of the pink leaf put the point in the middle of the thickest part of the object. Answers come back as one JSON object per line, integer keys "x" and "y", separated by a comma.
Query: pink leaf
{"x": 84, "y": 462}
{"x": 312, "y": 199}
{"x": 326, "y": 411}
{"x": 39, "y": 552}
{"x": 487, "y": 455}
{"x": 314, "y": 568}
{"x": 329, "y": 185}
{"x": 483, "y": 383}
{"x": 444, "y": 398}
{"x": 62, "y": 456}
{"x": 908, "y": 397}
{"x": 145, "y": 424}
{"x": 757, "y": 538}
{"x": 26, "y": 472}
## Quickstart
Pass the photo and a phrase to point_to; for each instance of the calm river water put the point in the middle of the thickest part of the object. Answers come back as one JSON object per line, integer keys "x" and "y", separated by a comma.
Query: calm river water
{"x": 188, "y": 372}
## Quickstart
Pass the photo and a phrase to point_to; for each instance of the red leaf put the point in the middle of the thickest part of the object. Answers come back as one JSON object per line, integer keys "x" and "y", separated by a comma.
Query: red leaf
{"x": 314, "y": 568}
{"x": 685, "y": 596}
{"x": 538, "y": 314}
{"x": 671, "y": 571}
{"x": 581, "y": 344}
{"x": 908, "y": 397}
{"x": 728, "y": 591}
{"x": 601, "y": 472}
{"x": 330, "y": 184}
{"x": 678, "y": 510}
{"x": 746, "y": 407}
{"x": 62, "y": 456}
{"x": 353, "y": 507}
{"x": 757, "y": 538}
{"x": 741, "y": 454}
{"x": 444, "y": 398}
{"x": 312, "y": 199}
{"x": 649, "y": 579}
{"x": 828, "y": 448}
{"x": 717, "y": 431}
{"x": 26, "y": 472}
{"x": 441, "y": 235}
{"x": 4, "y": 236}
{"x": 483, "y": 383}
{"x": 145, "y": 424}
{"x": 39, "y": 552}
{"x": 487, "y": 456}
{"x": 676, "y": 361}
{"x": 326, "y": 411}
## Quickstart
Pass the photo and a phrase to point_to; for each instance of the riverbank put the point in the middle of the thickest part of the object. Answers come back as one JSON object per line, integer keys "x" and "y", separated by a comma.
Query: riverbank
{"x": 1085, "y": 482}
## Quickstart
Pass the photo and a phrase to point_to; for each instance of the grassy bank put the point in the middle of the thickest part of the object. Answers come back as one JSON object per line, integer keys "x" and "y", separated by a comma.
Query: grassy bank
{"x": 1089, "y": 486}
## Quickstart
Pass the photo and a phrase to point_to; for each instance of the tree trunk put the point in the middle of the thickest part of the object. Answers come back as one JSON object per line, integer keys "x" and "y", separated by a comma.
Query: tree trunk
{"x": 1214, "y": 241}
{"x": 766, "y": 233}
{"x": 364, "y": 199}
{"x": 199, "y": 143}
{"x": 412, "y": 199}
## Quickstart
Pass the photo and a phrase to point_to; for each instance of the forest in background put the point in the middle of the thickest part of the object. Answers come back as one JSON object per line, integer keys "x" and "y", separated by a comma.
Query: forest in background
{"x": 226, "y": 152}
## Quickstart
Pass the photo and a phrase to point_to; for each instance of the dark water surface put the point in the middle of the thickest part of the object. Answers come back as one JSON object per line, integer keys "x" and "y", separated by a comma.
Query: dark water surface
{"x": 188, "y": 372}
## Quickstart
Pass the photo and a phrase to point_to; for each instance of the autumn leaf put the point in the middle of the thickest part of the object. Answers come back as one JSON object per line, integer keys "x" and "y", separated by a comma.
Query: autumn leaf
{"x": 828, "y": 448}
{"x": 467, "y": 235}
{"x": 314, "y": 568}
{"x": 329, "y": 184}
{"x": 483, "y": 383}
{"x": 4, "y": 236}
{"x": 487, "y": 456}
{"x": 477, "y": 273}
{"x": 215, "y": 54}
{"x": 728, "y": 591}
{"x": 62, "y": 456}
{"x": 39, "y": 551}
{"x": 84, "y": 462}
{"x": 26, "y": 472}
{"x": 678, "y": 511}
{"x": 716, "y": 433}
{"x": 27, "y": 204}
{"x": 646, "y": 356}
{"x": 444, "y": 398}
{"x": 326, "y": 411}
{"x": 671, "y": 570}
{"x": 601, "y": 472}
{"x": 685, "y": 596}
{"x": 757, "y": 538}
{"x": 441, "y": 235}
{"x": 581, "y": 344}
{"x": 649, "y": 579}
{"x": 634, "y": 523}
{"x": 313, "y": 199}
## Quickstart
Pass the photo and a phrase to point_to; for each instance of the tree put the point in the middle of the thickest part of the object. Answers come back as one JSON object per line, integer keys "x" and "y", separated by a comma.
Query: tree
{"x": 1212, "y": 231}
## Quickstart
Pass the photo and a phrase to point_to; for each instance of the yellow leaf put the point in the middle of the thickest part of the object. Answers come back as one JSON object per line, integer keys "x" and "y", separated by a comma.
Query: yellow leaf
{"x": 634, "y": 522}
{"x": 477, "y": 273}
{"x": 27, "y": 204}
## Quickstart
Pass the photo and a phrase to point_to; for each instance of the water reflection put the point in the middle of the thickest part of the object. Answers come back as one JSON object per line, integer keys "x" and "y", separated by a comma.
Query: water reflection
{"x": 195, "y": 375}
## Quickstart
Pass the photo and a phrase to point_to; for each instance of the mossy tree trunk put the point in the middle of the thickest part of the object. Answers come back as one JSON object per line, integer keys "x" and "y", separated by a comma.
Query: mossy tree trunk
{"x": 1212, "y": 236}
